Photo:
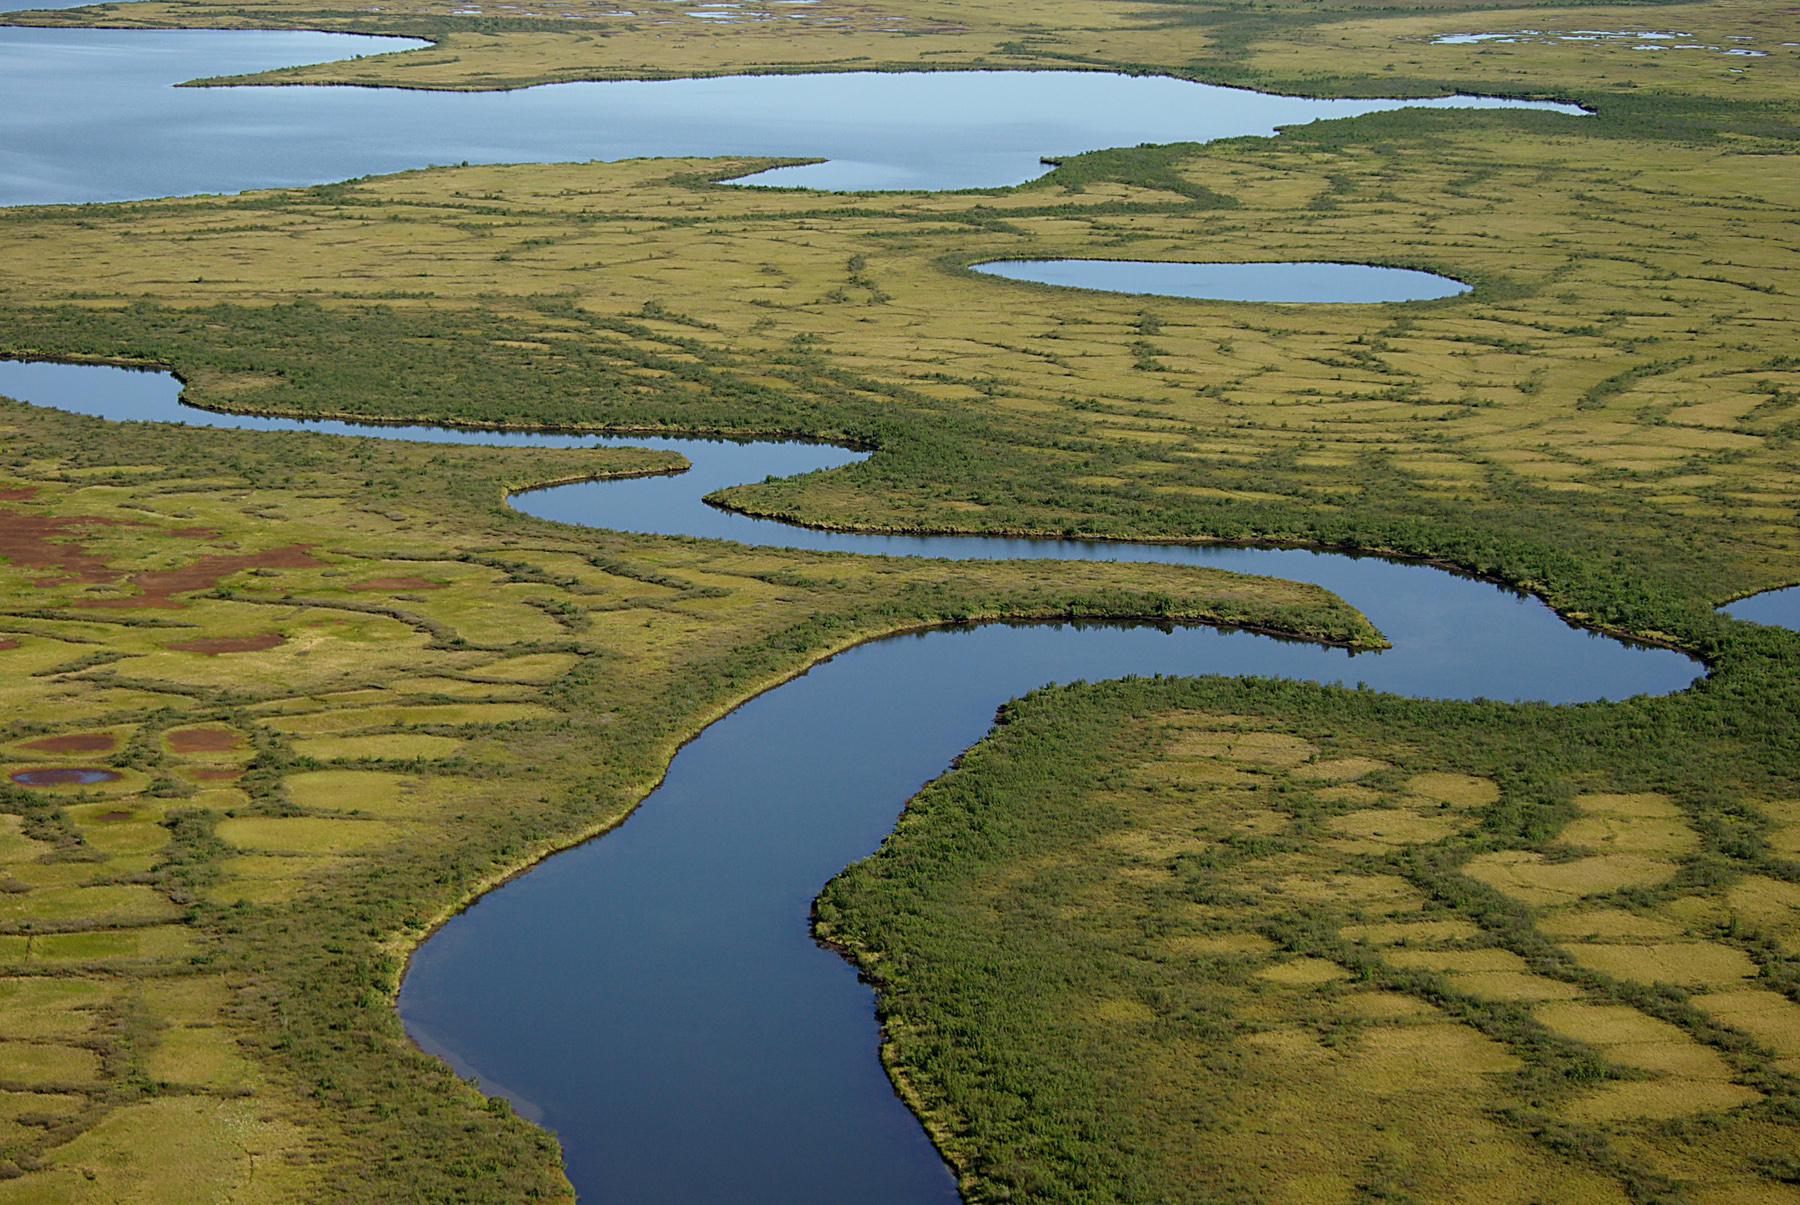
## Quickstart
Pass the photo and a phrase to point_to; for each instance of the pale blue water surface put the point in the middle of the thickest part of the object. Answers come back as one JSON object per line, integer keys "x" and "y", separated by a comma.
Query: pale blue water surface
{"x": 1275, "y": 282}
{"x": 62, "y": 139}
{"x": 1777, "y": 608}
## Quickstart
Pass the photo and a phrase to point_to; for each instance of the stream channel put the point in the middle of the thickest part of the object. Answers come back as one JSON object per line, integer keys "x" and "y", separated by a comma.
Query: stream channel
{"x": 654, "y": 996}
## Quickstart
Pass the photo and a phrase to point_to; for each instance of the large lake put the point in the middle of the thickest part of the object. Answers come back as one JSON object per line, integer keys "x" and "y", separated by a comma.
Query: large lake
{"x": 63, "y": 139}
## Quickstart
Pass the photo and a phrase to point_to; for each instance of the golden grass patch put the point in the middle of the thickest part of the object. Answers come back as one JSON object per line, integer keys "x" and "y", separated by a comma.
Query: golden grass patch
{"x": 1772, "y": 905}
{"x": 1784, "y": 814}
{"x": 1394, "y": 826}
{"x": 1419, "y": 932}
{"x": 533, "y": 667}
{"x": 189, "y": 1150}
{"x": 49, "y": 1007}
{"x": 1304, "y": 1132}
{"x": 146, "y": 944}
{"x": 1349, "y": 794}
{"x": 1608, "y": 1024}
{"x": 375, "y": 791}
{"x": 203, "y": 1057}
{"x": 1662, "y": 1099}
{"x": 1303, "y": 971}
{"x": 1255, "y": 748}
{"x": 1529, "y": 878}
{"x": 1395, "y": 1058}
{"x": 112, "y": 904}
{"x": 1456, "y": 960}
{"x": 1767, "y": 1016}
{"x": 1339, "y": 769}
{"x": 393, "y": 746}
{"x": 1117, "y": 1011}
{"x": 340, "y": 719}
{"x": 1514, "y": 985}
{"x": 1605, "y": 922}
{"x": 1645, "y": 805}
{"x": 1685, "y": 963}
{"x": 124, "y": 837}
{"x": 1631, "y": 834}
{"x": 47, "y": 1063}
{"x": 1203, "y": 944}
{"x": 1458, "y": 790}
{"x": 305, "y": 834}
{"x": 1379, "y": 1005}
{"x": 1350, "y": 888}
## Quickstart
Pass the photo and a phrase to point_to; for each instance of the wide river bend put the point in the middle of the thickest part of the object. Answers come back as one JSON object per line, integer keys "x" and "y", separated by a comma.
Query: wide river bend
{"x": 654, "y": 996}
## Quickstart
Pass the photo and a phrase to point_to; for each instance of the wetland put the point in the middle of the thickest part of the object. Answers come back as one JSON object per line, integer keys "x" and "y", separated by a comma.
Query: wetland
{"x": 1152, "y": 938}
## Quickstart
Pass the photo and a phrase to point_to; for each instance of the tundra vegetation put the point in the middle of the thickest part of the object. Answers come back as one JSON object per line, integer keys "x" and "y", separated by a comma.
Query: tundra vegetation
{"x": 1150, "y": 941}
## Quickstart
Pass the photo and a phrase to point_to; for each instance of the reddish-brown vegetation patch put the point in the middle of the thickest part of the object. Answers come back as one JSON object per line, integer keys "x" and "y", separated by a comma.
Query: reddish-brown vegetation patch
{"x": 23, "y": 494}
{"x": 8, "y": 644}
{"x": 46, "y": 542}
{"x": 212, "y": 646}
{"x": 63, "y": 776}
{"x": 195, "y": 533}
{"x": 159, "y": 586}
{"x": 215, "y": 773}
{"x": 38, "y": 542}
{"x": 398, "y": 583}
{"x": 204, "y": 740}
{"x": 114, "y": 815}
{"x": 74, "y": 742}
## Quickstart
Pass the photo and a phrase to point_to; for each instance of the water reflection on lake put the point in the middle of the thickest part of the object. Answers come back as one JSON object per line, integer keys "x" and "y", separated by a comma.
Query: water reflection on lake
{"x": 1778, "y": 608}
{"x": 1274, "y": 282}
{"x": 62, "y": 139}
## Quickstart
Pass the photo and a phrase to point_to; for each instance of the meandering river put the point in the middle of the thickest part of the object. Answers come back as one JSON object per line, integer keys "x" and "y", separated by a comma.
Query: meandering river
{"x": 654, "y": 996}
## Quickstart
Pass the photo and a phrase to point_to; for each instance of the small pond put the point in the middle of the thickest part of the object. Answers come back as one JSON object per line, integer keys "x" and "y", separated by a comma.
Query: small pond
{"x": 1277, "y": 282}
{"x": 63, "y": 776}
{"x": 64, "y": 140}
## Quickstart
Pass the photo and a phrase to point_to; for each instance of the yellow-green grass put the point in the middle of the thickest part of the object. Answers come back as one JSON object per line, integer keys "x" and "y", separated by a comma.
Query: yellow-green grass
{"x": 1601, "y": 262}
{"x": 1532, "y": 878}
{"x": 393, "y": 745}
{"x": 661, "y": 38}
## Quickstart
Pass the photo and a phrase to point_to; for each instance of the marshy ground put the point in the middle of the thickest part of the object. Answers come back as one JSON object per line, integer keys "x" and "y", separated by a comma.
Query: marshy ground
{"x": 1241, "y": 939}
